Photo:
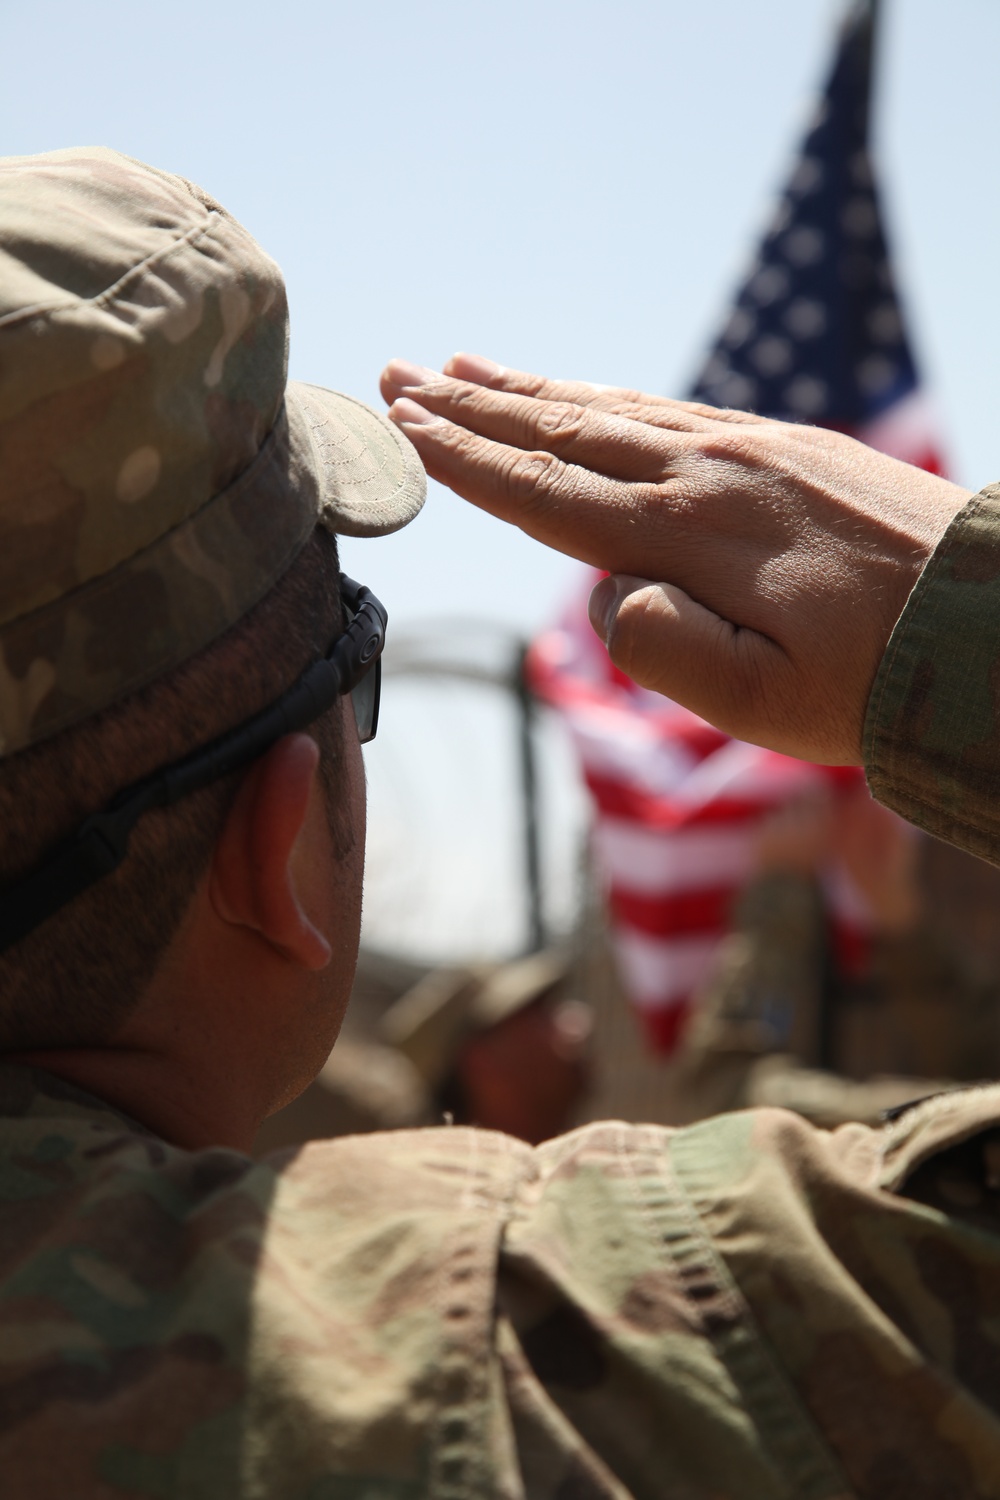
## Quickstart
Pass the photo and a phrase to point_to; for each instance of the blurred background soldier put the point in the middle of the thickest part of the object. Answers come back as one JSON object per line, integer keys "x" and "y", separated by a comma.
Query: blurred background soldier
{"x": 503, "y": 1046}
{"x": 786, "y": 1021}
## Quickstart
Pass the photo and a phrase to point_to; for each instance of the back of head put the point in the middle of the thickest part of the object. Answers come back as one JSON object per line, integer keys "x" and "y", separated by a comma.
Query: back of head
{"x": 168, "y": 506}
{"x": 75, "y": 979}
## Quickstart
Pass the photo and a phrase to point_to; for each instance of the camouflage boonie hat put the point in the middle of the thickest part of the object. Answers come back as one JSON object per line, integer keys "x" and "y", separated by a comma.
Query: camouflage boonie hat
{"x": 157, "y": 473}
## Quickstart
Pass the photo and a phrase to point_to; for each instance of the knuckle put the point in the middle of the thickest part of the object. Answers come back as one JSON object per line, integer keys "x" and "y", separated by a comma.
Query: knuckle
{"x": 622, "y": 395}
{"x": 558, "y": 423}
{"x": 731, "y": 444}
{"x": 748, "y": 681}
{"x": 737, "y": 447}
{"x": 729, "y": 415}
{"x": 620, "y": 404}
{"x": 705, "y": 412}
{"x": 630, "y": 635}
{"x": 662, "y": 512}
{"x": 738, "y": 678}
{"x": 532, "y": 477}
{"x": 533, "y": 385}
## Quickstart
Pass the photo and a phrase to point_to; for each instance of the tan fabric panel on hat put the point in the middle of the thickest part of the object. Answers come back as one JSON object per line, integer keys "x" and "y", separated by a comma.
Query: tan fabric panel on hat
{"x": 155, "y": 482}
{"x": 143, "y": 358}
{"x": 123, "y": 629}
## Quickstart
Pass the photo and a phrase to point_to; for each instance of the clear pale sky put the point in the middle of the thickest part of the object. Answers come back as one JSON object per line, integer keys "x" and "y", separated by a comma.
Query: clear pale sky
{"x": 569, "y": 187}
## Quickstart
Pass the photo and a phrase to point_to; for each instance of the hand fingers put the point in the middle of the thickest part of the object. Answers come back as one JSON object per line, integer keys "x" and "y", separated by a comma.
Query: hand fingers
{"x": 402, "y": 378}
{"x": 480, "y": 371}
{"x": 609, "y": 523}
{"x": 617, "y": 446}
{"x": 485, "y": 372}
{"x": 661, "y": 638}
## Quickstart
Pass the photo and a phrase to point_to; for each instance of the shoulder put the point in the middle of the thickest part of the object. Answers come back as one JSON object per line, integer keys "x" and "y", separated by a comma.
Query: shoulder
{"x": 336, "y": 1302}
{"x": 793, "y": 1295}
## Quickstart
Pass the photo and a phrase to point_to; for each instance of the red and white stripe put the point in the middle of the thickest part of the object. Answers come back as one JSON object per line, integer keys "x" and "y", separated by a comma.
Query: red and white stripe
{"x": 908, "y": 430}
{"x": 677, "y": 808}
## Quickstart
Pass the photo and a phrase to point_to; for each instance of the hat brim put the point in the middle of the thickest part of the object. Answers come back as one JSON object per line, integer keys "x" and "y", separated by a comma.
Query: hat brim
{"x": 371, "y": 481}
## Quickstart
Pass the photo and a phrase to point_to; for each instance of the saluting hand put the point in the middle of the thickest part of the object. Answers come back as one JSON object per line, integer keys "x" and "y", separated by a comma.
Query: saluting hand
{"x": 758, "y": 567}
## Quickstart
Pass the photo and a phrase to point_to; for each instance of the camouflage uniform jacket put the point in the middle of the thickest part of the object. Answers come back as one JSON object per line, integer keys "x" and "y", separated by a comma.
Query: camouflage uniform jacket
{"x": 932, "y": 731}
{"x": 746, "y": 1308}
{"x": 749, "y": 1307}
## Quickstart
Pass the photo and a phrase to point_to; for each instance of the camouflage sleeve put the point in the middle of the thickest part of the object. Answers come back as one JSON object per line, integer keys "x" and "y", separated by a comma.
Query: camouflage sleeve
{"x": 932, "y": 731}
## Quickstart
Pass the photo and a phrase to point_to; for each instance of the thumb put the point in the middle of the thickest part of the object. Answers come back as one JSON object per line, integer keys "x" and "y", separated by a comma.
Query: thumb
{"x": 663, "y": 639}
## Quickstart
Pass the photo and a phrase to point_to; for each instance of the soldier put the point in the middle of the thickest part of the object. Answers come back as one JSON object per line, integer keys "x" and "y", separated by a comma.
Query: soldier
{"x": 498, "y": 1045}
{"x": 783, "y": 1020}
{"x": 747, "y": 1308}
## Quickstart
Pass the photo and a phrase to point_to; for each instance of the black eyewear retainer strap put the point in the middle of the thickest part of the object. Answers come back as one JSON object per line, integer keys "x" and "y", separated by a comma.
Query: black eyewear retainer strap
{"x": 100, "y": 843}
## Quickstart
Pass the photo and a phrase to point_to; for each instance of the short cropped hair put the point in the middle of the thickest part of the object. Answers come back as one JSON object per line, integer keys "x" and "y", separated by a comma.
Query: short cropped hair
{"x": 73, "y": 981}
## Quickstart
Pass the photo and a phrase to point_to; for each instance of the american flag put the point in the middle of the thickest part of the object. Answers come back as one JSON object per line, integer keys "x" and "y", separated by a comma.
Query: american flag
{"x": 816, "y": 335}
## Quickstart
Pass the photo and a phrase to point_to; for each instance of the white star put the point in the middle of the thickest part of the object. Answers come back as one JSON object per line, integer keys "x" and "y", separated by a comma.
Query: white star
{"x": 769, "y": 284}
{"x": 736, "y": 391}
{"x": 805, "y": 318}
{"x": 804, "y": 246}
{"x": 739, "y": 328}
{"x": 806, "y": 395}
{"x": 772, "y": 355}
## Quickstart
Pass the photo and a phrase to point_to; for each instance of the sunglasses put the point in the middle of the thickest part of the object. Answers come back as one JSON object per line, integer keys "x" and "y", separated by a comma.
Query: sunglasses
{"x": 352, "y": 665}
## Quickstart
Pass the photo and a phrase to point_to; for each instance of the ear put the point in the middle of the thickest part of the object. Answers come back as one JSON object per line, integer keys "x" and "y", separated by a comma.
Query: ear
{"x": 252, "y": 881}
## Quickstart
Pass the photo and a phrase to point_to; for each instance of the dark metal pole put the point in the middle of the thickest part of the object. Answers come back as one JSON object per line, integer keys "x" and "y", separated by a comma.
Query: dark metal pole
{"x": 529, "y": 794}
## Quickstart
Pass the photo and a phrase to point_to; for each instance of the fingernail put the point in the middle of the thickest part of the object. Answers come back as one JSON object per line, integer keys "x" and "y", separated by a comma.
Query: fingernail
{"x": 409, "y": 414}
{"x": 400, "y": 372}
{"x": 603, "y": 606}
{"x": 473, "y": 367}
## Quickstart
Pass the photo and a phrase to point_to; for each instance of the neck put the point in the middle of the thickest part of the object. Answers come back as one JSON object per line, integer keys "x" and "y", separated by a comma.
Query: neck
{"x": 189, "y": 1112}
{"x": 199, "y": 1061}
